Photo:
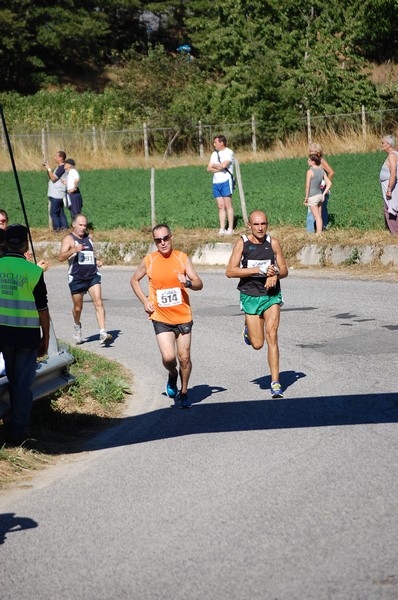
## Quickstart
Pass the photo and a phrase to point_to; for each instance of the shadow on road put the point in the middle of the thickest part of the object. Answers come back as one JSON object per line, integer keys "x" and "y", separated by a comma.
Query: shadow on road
{"x": 287, "y": 378}
{"x": 10, "y": 523}
{"x": 251, "y": 415}
{"x": 201, "y": 392}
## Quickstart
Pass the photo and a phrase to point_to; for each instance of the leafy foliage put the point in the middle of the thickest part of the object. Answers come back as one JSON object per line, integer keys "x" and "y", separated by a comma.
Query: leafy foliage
{"x": 158, "y": 86}
{"x": 274, "y": 60}
{"x": 42, "y": 40}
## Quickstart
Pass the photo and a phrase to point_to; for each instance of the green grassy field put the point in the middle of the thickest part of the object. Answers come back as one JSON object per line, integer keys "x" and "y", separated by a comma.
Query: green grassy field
{"x": 121, "y": 198}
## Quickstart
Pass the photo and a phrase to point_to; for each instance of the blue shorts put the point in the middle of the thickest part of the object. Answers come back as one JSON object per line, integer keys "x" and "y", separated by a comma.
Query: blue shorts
{"x": 81, "y": 286}
{"x": 222, "y": 190}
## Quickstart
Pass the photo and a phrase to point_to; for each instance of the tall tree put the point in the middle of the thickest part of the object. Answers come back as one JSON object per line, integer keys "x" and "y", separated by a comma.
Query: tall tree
{"x": 47, "y": 39}
{"x": 281, "y": 58}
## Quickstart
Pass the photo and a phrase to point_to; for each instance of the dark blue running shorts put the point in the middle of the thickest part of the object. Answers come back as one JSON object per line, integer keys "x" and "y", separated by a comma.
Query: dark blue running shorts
{"x": 81, "y": 286}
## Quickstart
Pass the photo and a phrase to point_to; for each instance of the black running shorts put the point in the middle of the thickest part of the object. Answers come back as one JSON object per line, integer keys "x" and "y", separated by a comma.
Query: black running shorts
{"x": 160, "y": 327}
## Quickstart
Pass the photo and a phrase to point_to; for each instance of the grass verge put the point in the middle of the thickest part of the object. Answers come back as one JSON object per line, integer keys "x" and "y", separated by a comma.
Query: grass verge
{"x": 61, "y": 423}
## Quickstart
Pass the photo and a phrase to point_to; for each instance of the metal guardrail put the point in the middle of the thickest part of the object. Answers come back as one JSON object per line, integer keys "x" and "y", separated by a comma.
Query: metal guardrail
{"x": 52, "y": 374}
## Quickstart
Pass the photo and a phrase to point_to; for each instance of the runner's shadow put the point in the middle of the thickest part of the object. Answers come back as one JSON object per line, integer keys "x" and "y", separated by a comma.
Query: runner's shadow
{"x": 200, "y": 392}
{"x": 9, "y": 523}
{"x": 115, "y": 333}
{"x": 252, "y": 415}
{"x": 286, "y": 379}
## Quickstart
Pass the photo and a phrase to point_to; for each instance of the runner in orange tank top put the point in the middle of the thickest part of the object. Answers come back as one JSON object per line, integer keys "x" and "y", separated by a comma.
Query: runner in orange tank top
{"x": 171, "y": 274}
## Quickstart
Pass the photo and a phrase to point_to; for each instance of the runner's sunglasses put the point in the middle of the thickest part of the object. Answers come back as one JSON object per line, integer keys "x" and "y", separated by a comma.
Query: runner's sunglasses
{"x": 165, "y": 238}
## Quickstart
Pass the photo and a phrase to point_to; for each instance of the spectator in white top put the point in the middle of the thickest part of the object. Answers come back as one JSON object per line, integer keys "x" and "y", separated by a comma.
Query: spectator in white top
{"x": 75, "y": 201}
{"x": 221, "y": 164}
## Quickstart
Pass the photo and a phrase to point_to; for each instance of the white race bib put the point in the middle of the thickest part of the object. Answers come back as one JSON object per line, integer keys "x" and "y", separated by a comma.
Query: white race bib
{"x": 86, "y": 257}
{"x": 258, "y": 263}
{"x": 169, "y": 297}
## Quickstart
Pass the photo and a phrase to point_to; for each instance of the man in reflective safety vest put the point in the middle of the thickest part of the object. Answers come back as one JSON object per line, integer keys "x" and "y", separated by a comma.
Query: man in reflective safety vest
{"x": 24, "y": 328}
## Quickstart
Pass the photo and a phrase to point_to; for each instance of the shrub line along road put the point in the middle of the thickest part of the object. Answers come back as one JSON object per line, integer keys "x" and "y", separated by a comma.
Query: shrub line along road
{"x": 240, "y": 496}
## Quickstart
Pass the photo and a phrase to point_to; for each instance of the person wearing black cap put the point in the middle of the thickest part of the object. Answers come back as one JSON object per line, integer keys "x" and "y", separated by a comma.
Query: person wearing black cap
{"x": 24, "y": 328}
{"x": 75, "y": 201}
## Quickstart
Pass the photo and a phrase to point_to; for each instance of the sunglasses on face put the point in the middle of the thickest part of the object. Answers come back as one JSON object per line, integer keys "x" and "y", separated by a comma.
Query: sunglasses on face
{"x": 165, "y": 238}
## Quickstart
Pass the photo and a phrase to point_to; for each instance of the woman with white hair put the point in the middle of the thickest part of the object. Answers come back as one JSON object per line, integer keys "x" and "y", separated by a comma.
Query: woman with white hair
{"x": 388, "y": 180}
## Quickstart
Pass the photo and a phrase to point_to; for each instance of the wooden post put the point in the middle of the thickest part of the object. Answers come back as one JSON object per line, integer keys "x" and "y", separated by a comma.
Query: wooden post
{"x": 170, "y": 144}
{"x": 44, "y": 145}
{"x": 363, "y": 123}
{"x": 95, "y": 145}
{"x": 153, "y": 215}
{"x": 3, "y": 137}
{"x": 200, "y": 133}
{"x": 44, "y": 154}
{"x": 241, "y": 192}
{"x": 254, "y": 139}
{"x": 146, "y": 147}
{"x": 309, "y": 135}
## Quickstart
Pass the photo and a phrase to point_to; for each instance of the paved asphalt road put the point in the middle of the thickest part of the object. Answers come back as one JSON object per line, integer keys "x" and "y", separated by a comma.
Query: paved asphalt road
{"x": 239, "y": 497}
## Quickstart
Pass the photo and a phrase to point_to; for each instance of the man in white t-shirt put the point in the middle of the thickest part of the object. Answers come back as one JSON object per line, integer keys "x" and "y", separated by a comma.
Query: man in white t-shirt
{"x": 221, "y": 164}
{"x": 75, "y": 201}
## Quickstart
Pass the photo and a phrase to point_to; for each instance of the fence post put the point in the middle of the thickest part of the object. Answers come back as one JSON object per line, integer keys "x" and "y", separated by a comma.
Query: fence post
{"x": 43, "y": 144}
{"x": 309, "y": 135}
{"x": 200, "y": 133}
{"x": 153, "y": 212}
{"x": 254, "y": 139}
{"x": 95, "y": 146}
{"x": 241, "y": 192}
{"x": 363, "y": 122}
{"x": 3, "y": 137}
{"x": 146, "y": 148}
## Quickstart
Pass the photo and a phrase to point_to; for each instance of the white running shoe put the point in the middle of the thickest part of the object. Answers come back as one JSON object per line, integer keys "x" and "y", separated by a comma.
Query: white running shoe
{"x": 77, "y": 334}
{"x": 105, "y": 338}
{"x": 229, "y": 232}
{"x": 221, "y": 232}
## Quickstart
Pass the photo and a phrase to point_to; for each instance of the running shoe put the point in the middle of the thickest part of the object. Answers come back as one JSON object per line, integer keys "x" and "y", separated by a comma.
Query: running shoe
{"x": 171, "y": 387}
{"x": 221, "y": 232}
{"x": 77, "y": 334}
{"x": 183, "y": 401}
{"x": 276, "y": 390}
{"x": 245, "y": 336}
{"x": 105, "y": 338}
{"x": 229, "y": 232}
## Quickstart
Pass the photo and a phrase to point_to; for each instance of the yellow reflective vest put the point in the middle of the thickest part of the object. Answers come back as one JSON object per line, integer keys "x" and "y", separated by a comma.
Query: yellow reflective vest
{"x": 18, "y": 279}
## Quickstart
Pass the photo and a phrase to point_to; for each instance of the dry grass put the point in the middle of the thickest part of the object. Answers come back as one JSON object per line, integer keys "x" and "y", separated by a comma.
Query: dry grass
{"x": 198, "y": 237}
{"x": 17, "y": 464}
{"x": 61, "y": 424}
{"x": 385, "y": 73}
{"x": 29, "y": 158}
{"x": 292, "y": 240}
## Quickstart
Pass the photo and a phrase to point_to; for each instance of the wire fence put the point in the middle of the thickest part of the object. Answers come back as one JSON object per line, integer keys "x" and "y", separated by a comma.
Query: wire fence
{"x": 197, "y": 138}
